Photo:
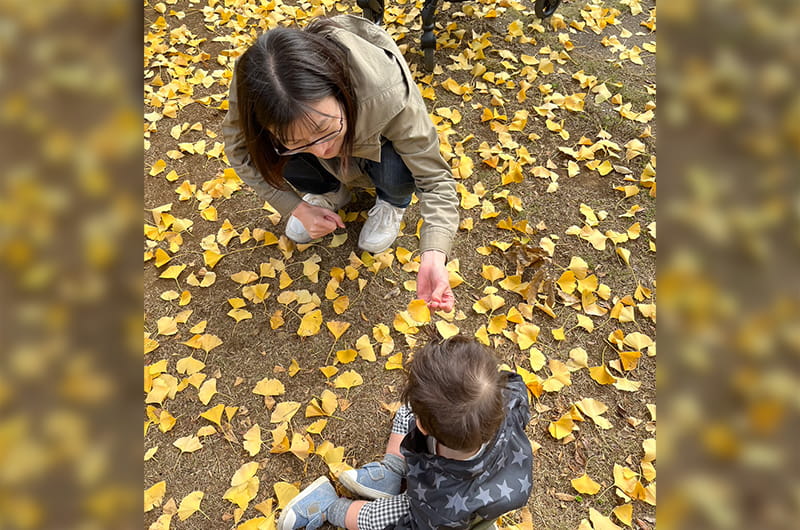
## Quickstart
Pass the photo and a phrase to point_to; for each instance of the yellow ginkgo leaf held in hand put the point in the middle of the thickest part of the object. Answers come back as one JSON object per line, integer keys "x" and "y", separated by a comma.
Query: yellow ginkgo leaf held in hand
{"x": 418, "y": 309}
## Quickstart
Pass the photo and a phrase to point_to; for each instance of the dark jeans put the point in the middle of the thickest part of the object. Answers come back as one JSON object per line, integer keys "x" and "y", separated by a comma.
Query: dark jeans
{"x": 393, "y": 180}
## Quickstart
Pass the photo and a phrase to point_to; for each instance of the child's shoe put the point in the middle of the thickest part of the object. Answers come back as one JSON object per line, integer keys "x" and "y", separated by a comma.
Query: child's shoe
{"x": 373, "y": 481}
{"x": 308, "y": 508}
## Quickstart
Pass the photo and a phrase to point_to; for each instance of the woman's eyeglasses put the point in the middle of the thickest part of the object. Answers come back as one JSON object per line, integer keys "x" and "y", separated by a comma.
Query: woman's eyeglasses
{"x": 283, "y": 151}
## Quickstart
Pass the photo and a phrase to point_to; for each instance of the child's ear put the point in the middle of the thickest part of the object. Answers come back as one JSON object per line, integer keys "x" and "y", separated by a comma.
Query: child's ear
{"x": 420, "y": 427}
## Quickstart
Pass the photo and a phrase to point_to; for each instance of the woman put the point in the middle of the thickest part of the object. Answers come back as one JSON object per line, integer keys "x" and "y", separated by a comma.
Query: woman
{"x": 333, "y": 106}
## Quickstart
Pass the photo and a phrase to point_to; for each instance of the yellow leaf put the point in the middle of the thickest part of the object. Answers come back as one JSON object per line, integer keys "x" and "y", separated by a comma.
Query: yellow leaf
{"x": 561, "y": 428}
{"x": 488, "y": 303}
{"x": 189, "y": 365}
{"x": 526, "y": 335}
{"x": 446, "y": 329}
{"x": 206, "y": 430}
{"x": 341, "y": 304}
{"x": 167, "y": 326}
{"x": 207, "y": 391}
{"x": 158, "y": 167}
{"x": 240, "y": 314}
{"x": 585, "y": 323}
{"x": 300, "y": 446}
{"x": 558, "y": 334}
{"x": 337, "y": 328}
{"x": 419, "y": 311}
{"x": 492, "y": 273}
{"x": 601, "y": 522}
{"x": 241, "y": 494}
{"x": 317, "y": 426}
{"x": 584, "y": 484}
{"x": 625, "y": 254}
{"x": 161, "y": 257}
{"x": 395, "y": 362}
{"x": 252, "y": 440}
{"x": 498, "y": 323}
{"x": 154, "y": 495}
{"x": 638, "y": 340}
{"x": 204, "y": 342}
{"x": 244, "y": 277}
{"x": 310, "y": 323}
{"x": 365, "y": 349}
{"x": 338, "y": 240}
{"x": 210, "y": 258}
{"x": 285, "y": 492}
{"x": 624, "y": 513}
{"x": 256, "y": 293}
{"x": 269, "y": 387}
{"x": 285, "y": 280}
{"x": 188, "y": 444}
{"x": 626, "y": 385}
{"x": 214, "y": 414}
{"x": 630, "y": 359}
{"x": 172, "y": 272}
{"x": 348, "y": 380}
{"x": 189, "y": 505}
{"x": 294, "y": 367}
{"x": 346, "y": 356}
{"x": 284, "y": 411}
{"x": 601, "y": 375}
{"x": 276, "y": 319}
{"x": 329, "y": 371}
{"x": 649, "y": 447}
{"x": 537, "y": 359}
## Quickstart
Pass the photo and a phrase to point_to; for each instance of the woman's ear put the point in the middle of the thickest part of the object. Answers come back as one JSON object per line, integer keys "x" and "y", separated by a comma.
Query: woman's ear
{"x": 420, "y": 427}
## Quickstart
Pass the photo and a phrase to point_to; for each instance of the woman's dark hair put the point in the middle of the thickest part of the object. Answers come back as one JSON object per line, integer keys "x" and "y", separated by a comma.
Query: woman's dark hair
{"x": 278, "y": 78}
{"x": 456, "y": 392}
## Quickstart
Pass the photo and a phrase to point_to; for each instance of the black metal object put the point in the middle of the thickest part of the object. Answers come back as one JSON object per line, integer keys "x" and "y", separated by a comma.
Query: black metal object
{"x": 545, "y": 8}
{"x": 373, "y": 10}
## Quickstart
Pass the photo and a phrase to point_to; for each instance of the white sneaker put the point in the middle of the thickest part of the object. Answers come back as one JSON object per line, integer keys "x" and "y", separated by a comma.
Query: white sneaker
{"x": 333, "y": 201}
{"x": 381, "y": 228}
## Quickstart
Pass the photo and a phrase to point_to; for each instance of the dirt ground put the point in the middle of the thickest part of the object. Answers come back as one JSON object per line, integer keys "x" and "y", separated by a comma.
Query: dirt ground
{"x": 189, "y": 46}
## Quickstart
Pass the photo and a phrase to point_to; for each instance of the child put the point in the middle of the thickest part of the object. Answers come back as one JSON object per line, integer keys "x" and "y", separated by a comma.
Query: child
{"x": 460, "y": 443}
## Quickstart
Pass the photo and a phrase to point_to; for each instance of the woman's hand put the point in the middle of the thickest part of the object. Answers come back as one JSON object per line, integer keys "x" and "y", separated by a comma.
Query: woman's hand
{"x": 317, "y": 221}
{"x": 433, "y": 283}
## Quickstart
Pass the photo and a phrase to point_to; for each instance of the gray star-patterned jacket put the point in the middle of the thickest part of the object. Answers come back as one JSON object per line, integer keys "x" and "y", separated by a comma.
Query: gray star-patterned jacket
{"x": 445, "y": 493}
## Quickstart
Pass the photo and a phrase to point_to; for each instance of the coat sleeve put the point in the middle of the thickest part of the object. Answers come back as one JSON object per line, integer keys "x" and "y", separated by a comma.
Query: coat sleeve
{"x": 284, "y": 201}
{"x": 414, "y": 138}
{"x": 517, "y": 398}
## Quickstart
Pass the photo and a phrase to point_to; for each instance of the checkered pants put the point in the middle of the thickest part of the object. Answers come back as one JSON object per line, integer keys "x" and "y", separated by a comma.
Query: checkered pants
{"x": 377, "y": 515}
{"x": 403, "y": 420}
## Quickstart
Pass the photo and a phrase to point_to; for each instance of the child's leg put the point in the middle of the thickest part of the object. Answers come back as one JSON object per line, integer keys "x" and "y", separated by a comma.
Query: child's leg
{"x": 403, "y": 421}
{"x": 376, "y": 515}
{"x": 382, "y": 479}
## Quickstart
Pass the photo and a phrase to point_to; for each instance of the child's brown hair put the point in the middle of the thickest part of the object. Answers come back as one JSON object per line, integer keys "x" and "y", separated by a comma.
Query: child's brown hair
{"x": 456, "y": 392}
